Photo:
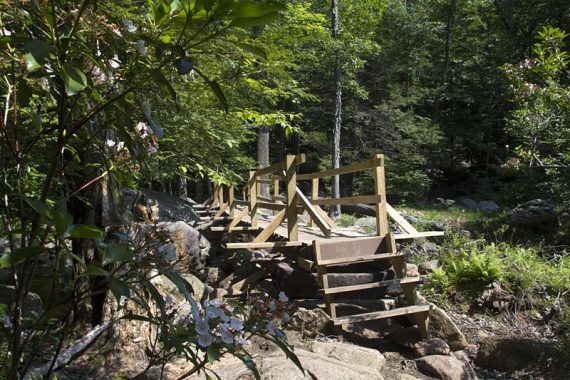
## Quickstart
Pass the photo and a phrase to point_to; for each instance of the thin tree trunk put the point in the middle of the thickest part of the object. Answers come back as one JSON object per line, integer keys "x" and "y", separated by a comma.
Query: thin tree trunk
{"x": 199, "y": 190}
{"x": 263, "y": 156}
{"x": 182, "y": 187}
{"x": 337, "y": 118}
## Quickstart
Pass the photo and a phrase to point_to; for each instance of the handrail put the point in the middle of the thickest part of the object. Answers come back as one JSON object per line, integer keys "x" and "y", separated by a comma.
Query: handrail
{"x": 281, "y": 165}
{"x": 356, "y": 167}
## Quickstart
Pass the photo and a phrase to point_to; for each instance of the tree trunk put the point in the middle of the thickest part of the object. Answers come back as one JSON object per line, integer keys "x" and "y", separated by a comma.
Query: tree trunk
{"x": 199, "y": 190}
{"x": 182, "y": 187}
{"x": 263, "y": 156}
{"x": 337, "y": 118}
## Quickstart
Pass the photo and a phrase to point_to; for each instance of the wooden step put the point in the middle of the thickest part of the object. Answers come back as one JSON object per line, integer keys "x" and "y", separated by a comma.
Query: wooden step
{"x": 358, "y": 259}
{"x": 240, "y": 228}
{"x": 265, "y": 244}
{"x": 381, "y": 314}
{"x": 370, "y": 285}
{"x": 417, "y": 235}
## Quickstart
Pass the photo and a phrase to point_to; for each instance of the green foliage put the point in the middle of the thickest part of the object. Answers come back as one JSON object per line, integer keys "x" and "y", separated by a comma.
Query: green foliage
{"x": 346, "y": 220}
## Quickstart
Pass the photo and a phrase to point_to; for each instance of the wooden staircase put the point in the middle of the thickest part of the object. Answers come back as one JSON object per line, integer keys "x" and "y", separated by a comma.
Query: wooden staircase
{"x": 350, "y": 252}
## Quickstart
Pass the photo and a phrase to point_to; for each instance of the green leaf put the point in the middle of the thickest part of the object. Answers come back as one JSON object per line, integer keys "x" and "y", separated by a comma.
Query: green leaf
{"x": 254, "y": 9}
{"x": 115, "y": 253}
{"x": 248, "y": 361}
{"x": 40, "y": 207}
{"x": 96, "y": 270}
{"x": 73, "y": 78}
{"x": 61, "y": 220}
{"x": 183, "y": 286}
{"x": 248, "y": 22}
{"x": 164, "y": 85}
{"x": 254, "y": 50}
{"x": 84, "y": 231}
{"x": 155, "y": 295}
{"x": 119, "y": 289}
{"x": 216, "y": 88}
{"x": 19, "y": 255}
{"x": 213, "y": 354}
{"x": 38, "y": 53}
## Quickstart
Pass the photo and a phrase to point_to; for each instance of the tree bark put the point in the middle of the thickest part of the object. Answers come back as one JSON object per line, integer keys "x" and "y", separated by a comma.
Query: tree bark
{"x": 182, "y": 187}
{"x": 199, "y": 190}
{"x": 337, "y": 113}
{"x": 263, "y": 156}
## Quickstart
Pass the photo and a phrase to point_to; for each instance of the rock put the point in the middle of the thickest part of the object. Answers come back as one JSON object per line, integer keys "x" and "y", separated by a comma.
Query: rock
{"x": 151, "y": 206}
{"x": 441, "y": 326}
{"x": 507, "y": 354}
{"x": 467, "y": 202}
{"x": 295, "y": 282}
{"x": 537, "y": 214}
{"x": 406, "y": 337}
{"x": 172, "y": 296}
{"x": 32, "y": 302}
{"x": 412, "y": 270}
{"x": 488, "y": 206}
{"x": 445, "y": 367}
{"x": 404, "y": 376}
{"x": 428, "y": 266}
{"x": 433, "y": 346}
{"x": 349, "y": 353}
{"x": 310, "y": 323}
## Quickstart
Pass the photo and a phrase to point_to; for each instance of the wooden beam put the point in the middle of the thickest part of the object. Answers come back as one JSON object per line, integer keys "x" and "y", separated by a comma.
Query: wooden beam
{"x": 305, "y": 264}
{"x": 348, "y": 200}
{"x": 314, "y": 195}
{"x": 314, "y": 214}
{"x": 356, "y": 167}
{"x": 399, "y": 219}
{"x": 231, "y": 200}
{"x": 267, "y": 244}
{"x": 370, "y": 285}
{"x": 221, "y": 211}
{"x": 360, "y": 259}
{"x": 235, "y": 229}
{"x": 238, "y": 218}
{"x": 326, "y": 217}
{"x": 291, "y": 186}
{"x": 419, "y": 235}
{"x": 381, "y": 314}
{"x": 271, "y": 227}
{"x": 380, "y": 189}
{"x": 271, "y": 206}
{"x": 252, "y": 192}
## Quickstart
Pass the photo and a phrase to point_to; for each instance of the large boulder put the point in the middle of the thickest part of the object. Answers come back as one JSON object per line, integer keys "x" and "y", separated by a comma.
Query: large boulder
{"x": 310, "y": 322}
{"x": 508, "y": 354}
{"x": 433, "y": 346}
{"x": 445, "y": 367}
{"x": 32, "y": 302}
{"x": 349, "y": 353}
{"x": 295, "y": 282}
{"x": 441, "y": 326}
{"x": 152, "y": 206}
{"x": 537, "y": 214}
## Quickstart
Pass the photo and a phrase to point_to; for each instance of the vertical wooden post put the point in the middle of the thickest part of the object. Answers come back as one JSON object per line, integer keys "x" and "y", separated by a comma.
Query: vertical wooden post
{"x": 380, "y": 189}
{"x": 221, "y": 194}
{"x": 232, "y": 200}
{"x": 275, "y": 189}
{"x": 314, "y": 195}
{"x": 291, "y": 185}
{"x": 252, "y": 189}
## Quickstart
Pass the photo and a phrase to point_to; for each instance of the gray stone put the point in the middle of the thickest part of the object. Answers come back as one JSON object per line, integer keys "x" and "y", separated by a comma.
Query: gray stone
{"x": 445, "y": 367}
{"x": 295, "y": 282}
{"x": 467, "y": 202}
{"x": 405, "y": 336}
{"x": 488, "y": 206}
{"x": 151, "y": 206}
{"x": 349, "y": 353}
{"x": 507, "y": 354}
{"x": 412, "y": 270}
{"x": 310, "y": 323}
{"x": 441, "y": 326}
{"x": 537, "y": 214}
{"x": 404, "y": 376}
{"x": 428, "y": 266}
{"x": 433, "y": 346}
{"x": 32, "y": 302}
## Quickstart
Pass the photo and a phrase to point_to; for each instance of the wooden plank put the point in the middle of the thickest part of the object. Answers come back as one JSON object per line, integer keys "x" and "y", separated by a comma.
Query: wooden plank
{"x": 370, "y": 199}
{"x": 382, "y": 314}
{"x": 399, "y": 219}
{"x": 314, "y": 195}
{"x": 370, "y": 285}
{"x": 231, "y": 200}
{"x": 235, "y": 229}
{"x": 380, "y": 189}
{"x": 270, "y": 169}
{"x": 271, "y": 227}
{"x": 359, "y": 259}
{"x": 314, "y": 214}
{"x": 271, "y": 206}
{"x": 252, "y": 193}
{"x": 356, "y": 167}
{"x": 221, "y": 211}
{"x": 267, "y": 244}
{"x": 323, "y": 280}
{"x": 419, "y": 235}
{"x": 326, "y": 217}
{"x": 238, "y": 218}
{"x": 338, "y": 249}
{"x": 291, "y": 186}
{"x": 305, "y": 264}
{"x": 239, "y": 202}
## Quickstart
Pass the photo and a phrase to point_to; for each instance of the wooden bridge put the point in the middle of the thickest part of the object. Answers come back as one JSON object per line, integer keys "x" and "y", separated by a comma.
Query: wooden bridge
{"x": 273, "y": 223}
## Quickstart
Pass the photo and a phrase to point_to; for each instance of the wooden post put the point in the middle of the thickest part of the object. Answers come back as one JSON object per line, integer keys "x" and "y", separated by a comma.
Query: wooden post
{"x": 291, "y": 185}
{"x": 314, "y": 195}
{"x": 380, "y": 189}
{"x": 252, "y": 189}
{"x": 221, "y": 194}
{"x": 232, "y": 200}
{"x": 275, "y": 189}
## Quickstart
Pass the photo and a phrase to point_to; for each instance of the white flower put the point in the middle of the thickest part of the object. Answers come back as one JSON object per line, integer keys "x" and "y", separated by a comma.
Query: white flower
{"x": 236, "y": 324}
{"x": 240, "y": 340}
{"x": 204, "y": 340}
{"x": 271, "y": 328}
{"x": 202, "y": 327}
{"x": 140, "y": 47}
{"x": 6, "y": 321}
{"x": 144, "y": 130}
{"x": 283, "y": 297}
{"x": 110, "y": 143}
{"x": 131, "y": 28}
{"x": 114, "y": 62}
{"x": 5, "y": 32}
{"x": 272, "y": 305}
{"x": 44, "y": 83}
{"x": 227, "y": 337}
{"x": 286, "y": 318}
